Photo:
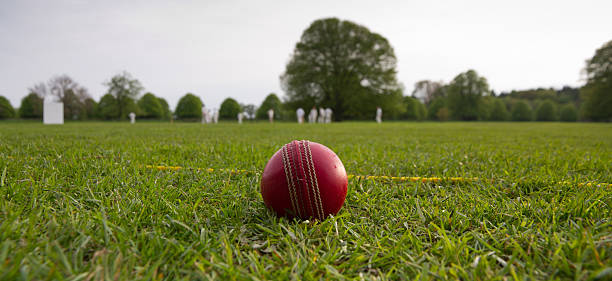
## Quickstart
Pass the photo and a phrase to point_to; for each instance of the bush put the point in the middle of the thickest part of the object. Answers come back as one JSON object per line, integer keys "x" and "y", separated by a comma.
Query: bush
{"x": 6, "y": 109}
{"x": 568, "y": 113}
{"x": 521, "y": 112}
{"x": 498, "y": 111}
{"x": 443, "y": 114}
{"x": 546, "y": 111}
{"x": 189, "y": 107}
{"x": 31, "y": 106}
{"x": 150, "y": 107}
{"x": 108, "y": 107}
{"x": 229, "y": 109}
{"x": 273, "y": 102}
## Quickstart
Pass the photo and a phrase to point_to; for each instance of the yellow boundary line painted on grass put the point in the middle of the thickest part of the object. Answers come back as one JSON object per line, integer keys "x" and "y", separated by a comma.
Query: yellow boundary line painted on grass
{"x": 373, "y": 178}
{"x": 362, "y": 177}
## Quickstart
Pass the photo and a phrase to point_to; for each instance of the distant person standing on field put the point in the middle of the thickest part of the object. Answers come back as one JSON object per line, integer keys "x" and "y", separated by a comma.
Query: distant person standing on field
{"x": 300, "y": 115}
{"x": 216, "y": 116}
{"x": 328, "y": 115}
{"x": 271, "y": 115}
{"x": 312, "y": 117}
{"x": 240, "y": 116}
{"x": 321, "y": 115}
{"x": 378, "y": 114}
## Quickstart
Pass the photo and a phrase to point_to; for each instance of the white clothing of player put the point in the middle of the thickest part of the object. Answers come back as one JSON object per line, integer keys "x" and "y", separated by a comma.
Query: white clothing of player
{"x": 300, "y": 115}
{"x": 216, "y": 116}
{"x": 312, "y": 116}
{"x": 271, "y": 115}
{"x": 321, "y": 115}
{"x": 132, "y": 117}
{"x": 240, "y": 116}
{"x": 204, "y": 113}
{"x": 378, "y": 115}
{"x": 328, "y": 115}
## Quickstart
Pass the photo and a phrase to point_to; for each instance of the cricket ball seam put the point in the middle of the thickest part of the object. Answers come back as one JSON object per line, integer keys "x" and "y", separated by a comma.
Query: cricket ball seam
{"x": 290, "y": 183}
{"x": 301, "y": 178}
{"x": 309, "y": 187}
{"x": 314, "y": 180}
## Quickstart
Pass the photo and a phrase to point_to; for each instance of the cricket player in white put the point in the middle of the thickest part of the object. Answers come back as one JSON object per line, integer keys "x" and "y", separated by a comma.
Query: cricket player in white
{"x": 300, "y": 115}
{"x": 312, "y": 117}
{"x": 378, "y": 114}
{"x": 204, "y": 112}
{"x": 132, "y": 117}
{"x": 240, "y": 116}
{"x": 271, "y": 115}
{"x": 321, "y": 115}
{"x": 216, "y": 116}
{"x": 328, "y": 115}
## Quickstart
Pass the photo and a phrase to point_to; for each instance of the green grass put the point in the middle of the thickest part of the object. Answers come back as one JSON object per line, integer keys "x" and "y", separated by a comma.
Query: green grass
{"x": 76, "y": 203}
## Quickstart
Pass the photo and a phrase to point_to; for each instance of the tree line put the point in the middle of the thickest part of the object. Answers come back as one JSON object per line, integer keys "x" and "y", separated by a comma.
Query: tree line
{"x": 344, "y": 66}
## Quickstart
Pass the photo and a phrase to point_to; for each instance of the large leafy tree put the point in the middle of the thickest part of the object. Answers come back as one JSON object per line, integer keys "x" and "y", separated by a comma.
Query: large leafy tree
{"x": 31, "y": 106}
{"x": 6, "y": 109}
{"x": 150, "y": 107}
{"x": 344, "y": 66}
{"x": 546, "y": 111}
{"x": 412, "y": 108}
{"x": 498, "y": 111}
{"x": 107, "y": 107}
{"x": 464, "y": 95}
{"x": 270, "y": 102}
{"x": 568, "y": 113}
{"x": 166, "y": 114}
{"x": 597, "y": 93}
{"x": 521, "y": 111}
{"x": 126, "y": 90}
{"x": 189, "y": 107}
{"x": 229, "y": 109}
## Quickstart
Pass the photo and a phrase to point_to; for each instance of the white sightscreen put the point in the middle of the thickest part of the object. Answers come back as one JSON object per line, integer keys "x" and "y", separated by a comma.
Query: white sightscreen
{"x": 53, "y": 112}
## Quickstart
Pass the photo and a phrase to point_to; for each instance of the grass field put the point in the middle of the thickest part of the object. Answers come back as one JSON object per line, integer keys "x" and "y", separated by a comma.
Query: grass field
{"x": 78, "y": 203}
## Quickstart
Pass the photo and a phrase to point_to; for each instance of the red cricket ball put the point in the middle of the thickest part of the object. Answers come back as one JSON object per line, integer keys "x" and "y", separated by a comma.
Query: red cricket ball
{"x": 304, "y": 179}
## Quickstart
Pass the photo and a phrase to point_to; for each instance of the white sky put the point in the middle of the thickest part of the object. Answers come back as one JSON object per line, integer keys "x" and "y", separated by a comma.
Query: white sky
{"x": 219, "y": 49}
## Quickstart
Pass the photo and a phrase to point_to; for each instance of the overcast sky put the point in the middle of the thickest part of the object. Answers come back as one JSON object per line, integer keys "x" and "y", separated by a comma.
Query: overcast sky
{"x": 219, "y": 49}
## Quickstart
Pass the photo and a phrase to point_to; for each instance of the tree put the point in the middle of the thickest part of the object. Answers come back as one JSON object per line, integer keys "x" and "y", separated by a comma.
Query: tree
{"x": 412, "y": 111}
{"x": 270, "y": 102}
{"x": 166, "y": 114}
{"x": 421, "y": 111}
{"x": 498, "y": 111}
{"x": 150, "y": 107}
{"x": 344, "y": 66}
{"x": 31, "y": 106}
{"x": 434, "y": 107}
{"x": 91, "y": 107}
{"x": 6, "y": 109}
{"x": 107, "y": 107}
{"x": 189, "y": 107}
{"x": 125, "y": 89}
{"x": 521, "y": 111}
{"x": 568, "y": 113}
{"x": 427, "y": 90}
{"x": 64, "y": 89}
{"x": 464, "y": 95}
{"x": 546, "y": 111}
{"x": 597, "y": 93}
{"x": 229, "y": 109}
